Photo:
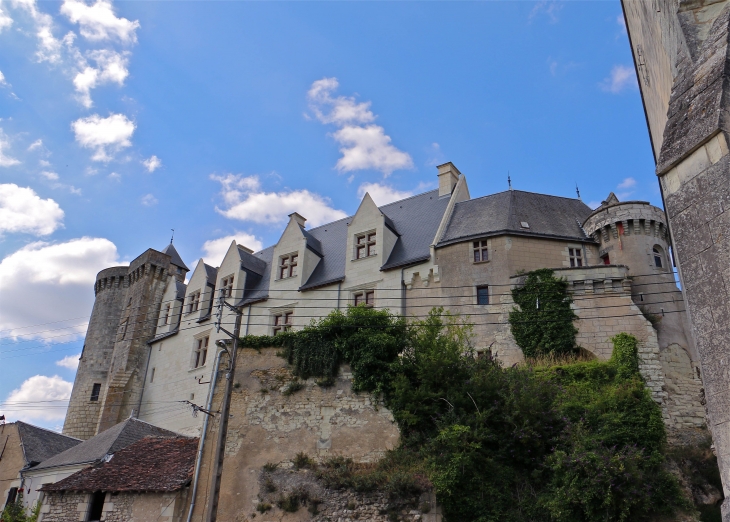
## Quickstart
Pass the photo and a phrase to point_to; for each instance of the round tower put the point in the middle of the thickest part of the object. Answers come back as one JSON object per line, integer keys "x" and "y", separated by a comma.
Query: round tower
{"x": 91, "y": 376}
{"x": 635, "y": 234}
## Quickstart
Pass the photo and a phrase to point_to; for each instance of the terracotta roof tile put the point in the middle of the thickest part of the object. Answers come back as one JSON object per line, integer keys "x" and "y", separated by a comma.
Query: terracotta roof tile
{"x": 150, "y": 464}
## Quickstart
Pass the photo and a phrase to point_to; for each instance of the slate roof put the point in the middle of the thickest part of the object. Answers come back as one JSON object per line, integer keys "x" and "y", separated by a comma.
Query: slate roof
{"x": 180, "y": 289}
{"x": 211, "y": 273}
{"x": 153, "y": 464}
{"x": 504, "y": 212}
{"x": 416, "y": 219}
{"x": 110, "y": 441}
{"x": 175, "y": 257}
{"x": 40, "y": 444}
{"x": 250, "y": 263}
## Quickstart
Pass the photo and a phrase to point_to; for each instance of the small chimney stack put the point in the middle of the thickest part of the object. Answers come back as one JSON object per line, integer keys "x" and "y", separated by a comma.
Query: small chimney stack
{"x": 448, "y": 176}
{"x": 298, "y": 218}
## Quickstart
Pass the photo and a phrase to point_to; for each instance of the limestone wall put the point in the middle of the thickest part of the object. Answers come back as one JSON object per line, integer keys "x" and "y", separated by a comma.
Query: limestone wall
{"x": 12, "y": 460}
{"x": 268, "y": 426}
{"x": 118, "y": 507}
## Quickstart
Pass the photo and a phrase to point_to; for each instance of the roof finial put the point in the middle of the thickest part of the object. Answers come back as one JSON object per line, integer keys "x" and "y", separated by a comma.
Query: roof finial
{"x": 173, "y": 235}
{"x": 509, "y": 181}
{"x": 577, "y": 191}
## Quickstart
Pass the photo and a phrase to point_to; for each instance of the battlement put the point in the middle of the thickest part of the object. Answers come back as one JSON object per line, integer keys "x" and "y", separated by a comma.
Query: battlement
{"x": 629, "y": 218}
{"x": 114, "y": 277}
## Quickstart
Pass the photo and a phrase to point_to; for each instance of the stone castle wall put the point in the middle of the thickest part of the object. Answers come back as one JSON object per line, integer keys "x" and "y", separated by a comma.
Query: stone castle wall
{"x": 268, "y": 426}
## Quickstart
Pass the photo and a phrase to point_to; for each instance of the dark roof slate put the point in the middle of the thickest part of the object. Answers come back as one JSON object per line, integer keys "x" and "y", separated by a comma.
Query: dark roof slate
{"x": 251, "y": 263}
{"x": 211, "y": 273}
{"x": 180, "y": 289}
{"x": 152, "y": 464}
{"x": 40, "y": 444}
{"x": 175, "y": 258}
{"x": 416, "y": 219}
{"x": 504, "y": 212}
{"x": 110, "y": 441}
{"x": 257, "y": 286}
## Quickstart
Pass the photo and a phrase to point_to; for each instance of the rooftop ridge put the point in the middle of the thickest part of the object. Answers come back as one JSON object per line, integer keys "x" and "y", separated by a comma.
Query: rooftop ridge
{"x": 46, "y": 429}
{"x": 523, "y": 191}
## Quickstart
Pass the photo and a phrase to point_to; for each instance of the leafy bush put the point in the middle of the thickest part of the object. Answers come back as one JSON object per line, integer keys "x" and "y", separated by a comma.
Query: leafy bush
{"x": 543, "y": 323}
{"x": 562, "y": 441}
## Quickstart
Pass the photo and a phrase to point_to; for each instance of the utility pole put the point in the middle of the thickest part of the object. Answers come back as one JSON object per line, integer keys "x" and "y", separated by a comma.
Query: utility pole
{"x": 220, "y": 449}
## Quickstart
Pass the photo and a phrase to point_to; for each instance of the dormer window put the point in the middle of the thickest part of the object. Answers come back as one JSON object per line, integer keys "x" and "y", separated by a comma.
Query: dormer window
{"x": 288, "y": 266}
{"x": 194, "y": 302}
{"x": 365, "y": 245}
{"x": 227, "y": 287}
{"x": 576, "y": 257}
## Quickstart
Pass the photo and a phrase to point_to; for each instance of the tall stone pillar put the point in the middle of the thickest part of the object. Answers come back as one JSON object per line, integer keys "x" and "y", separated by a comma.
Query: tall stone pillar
{"x": 694, "y": 171}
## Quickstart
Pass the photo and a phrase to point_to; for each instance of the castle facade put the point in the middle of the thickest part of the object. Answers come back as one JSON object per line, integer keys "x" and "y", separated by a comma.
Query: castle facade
{"x": 151, "y": 343}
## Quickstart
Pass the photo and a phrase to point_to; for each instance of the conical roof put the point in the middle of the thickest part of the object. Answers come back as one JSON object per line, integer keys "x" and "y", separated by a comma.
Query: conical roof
{"x": 176, "y": 259}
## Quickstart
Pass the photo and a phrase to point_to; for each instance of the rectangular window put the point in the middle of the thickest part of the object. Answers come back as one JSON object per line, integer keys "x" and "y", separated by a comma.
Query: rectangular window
{"x": 366, "y": 297}
{"x": 483, "y": 295}
{"x": 481, "y": 252}
{"x": 288, "y": 266}
{"x": 282, "y": 322}
{"x": 365, "y": 245}
{"x": 576, "y": 257}
{"x": 166, "y": 317}
{"x": 12, "y": 495}
{"x": 152, "y": 375}
{"x": 95, "y": 391}
{"x": 194, "y": 302}
{"x": 97, "y": 506}
{"x": 227, "y": 287}
{"x": 201, "y": 352}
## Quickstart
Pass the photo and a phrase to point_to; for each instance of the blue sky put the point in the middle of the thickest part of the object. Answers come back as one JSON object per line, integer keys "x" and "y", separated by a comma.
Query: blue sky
{"x": 122, "y": 121}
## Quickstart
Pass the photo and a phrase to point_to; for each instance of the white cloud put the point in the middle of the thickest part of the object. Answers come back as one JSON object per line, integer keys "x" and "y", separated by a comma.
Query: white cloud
{"x": 98, "y": 21}
{"x": 215, "y": 249}
{"x": 436, "y": 157}
{"x": 149, "y": 200}
{"x": 70, "y": 362}
{"x": 44, "y": 282}
{"x": 49, "y": 175}
{"x": 382, "y": 194}
{"x": 245, "y": 200}
{"x": 621, "y": 78}
{"x": 152, "y": 163}
{"x": 5, "y": 20}
{"x": 44, "y": 163}
{"x": 627, "y": 183}
{"x": 549, "y": 8}
{"x": 22, "y": 210}
{"x": 104, "y": 135}
{"x": 369, "y": 148}
{"x": 49, "y": 47}
{"x": 115, "y": 177}
{"x": 363, "y": 146}
{"x": 39, "y": 398}
{"x": 5, "y": 160}
{"x": 2, "y": 79}
{"x": 111, "y": 67}
{"x": 37, "y": 144}
{"x": 621, "y": 21}
{"x": 594, "y": 204}
{"x": 342, "y": 109}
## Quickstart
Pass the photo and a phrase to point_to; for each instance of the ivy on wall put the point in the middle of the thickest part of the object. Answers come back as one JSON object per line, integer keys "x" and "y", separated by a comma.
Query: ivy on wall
{"x": 542, "y": 323}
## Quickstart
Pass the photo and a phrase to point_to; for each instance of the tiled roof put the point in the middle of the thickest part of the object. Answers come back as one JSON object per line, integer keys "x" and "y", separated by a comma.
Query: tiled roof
{"x": 180, "y": 289}
{"x": 211, "y": 273}
{"x": 153, "y": 464}
{"x": 175, "y": 257}
{"x": 509, "y": 211}
{"x": 110, "y": 441}
{"x": 40, "y": 444}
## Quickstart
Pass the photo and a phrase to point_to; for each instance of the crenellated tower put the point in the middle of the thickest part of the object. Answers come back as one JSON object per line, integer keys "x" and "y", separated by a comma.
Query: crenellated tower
{"x": 110, "y": 377}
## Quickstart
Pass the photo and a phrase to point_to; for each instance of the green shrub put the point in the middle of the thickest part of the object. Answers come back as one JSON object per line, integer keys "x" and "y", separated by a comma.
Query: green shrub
{"x": 625, "y": 355}
{"x": 543, "y": 323}
{"x": 302, "y": 461}
{"x": 292, "y": 388}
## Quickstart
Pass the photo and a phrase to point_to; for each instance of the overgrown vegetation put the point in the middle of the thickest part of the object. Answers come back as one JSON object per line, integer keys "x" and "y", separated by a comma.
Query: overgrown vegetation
{"x": 543, "y": 323}
{"x": 16, "y": 512}
{"x": 563, "y": 442}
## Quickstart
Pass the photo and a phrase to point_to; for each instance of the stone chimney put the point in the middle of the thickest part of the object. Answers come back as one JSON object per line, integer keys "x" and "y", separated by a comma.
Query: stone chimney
{"x": 448, "y": 176}
{"x": 298, "y": 218}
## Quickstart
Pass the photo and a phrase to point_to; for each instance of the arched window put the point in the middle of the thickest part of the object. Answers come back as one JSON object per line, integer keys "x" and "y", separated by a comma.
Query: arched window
{"x": 657, "y": 257}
